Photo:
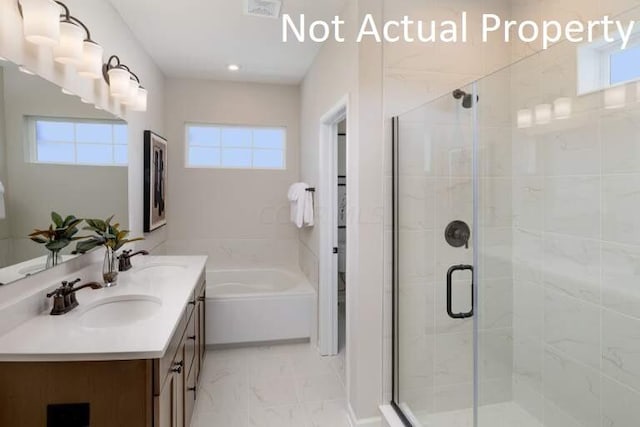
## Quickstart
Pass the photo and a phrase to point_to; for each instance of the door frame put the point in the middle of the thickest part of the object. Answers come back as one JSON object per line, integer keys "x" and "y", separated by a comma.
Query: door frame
{"x": 328, "y": 195}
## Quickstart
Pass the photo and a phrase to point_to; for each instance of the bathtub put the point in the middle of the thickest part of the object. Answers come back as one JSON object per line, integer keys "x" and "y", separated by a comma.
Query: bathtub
{"x": 251, "y": 306}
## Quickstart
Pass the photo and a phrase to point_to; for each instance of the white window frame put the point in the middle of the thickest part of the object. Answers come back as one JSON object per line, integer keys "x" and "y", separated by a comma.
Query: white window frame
{"x": 32, "y": 142}
{"x": 242, "y": 126}
{"x": 594, "y": 64}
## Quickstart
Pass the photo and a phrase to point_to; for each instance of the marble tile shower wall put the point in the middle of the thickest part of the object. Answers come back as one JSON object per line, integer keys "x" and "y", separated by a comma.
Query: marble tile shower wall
{"x": 576, "y": 251}
{"x": 436, "y": 352}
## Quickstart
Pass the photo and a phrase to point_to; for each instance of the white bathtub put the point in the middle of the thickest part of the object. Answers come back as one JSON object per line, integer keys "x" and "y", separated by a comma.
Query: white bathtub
{"x": 245, "y": 306}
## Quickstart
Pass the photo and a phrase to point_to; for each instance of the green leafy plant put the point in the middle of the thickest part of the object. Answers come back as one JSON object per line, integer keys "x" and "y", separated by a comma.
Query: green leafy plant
{"x": 59, "y": 234}
{"x": 105, "y": 234}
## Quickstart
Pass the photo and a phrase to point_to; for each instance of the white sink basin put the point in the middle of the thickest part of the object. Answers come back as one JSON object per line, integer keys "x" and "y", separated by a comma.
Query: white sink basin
{"x": 120, "y": 311}
{"x": 154, "y": 272}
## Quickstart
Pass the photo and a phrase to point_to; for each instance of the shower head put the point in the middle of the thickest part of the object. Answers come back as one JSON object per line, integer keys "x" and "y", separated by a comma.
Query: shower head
{"x": 467, "y": 98}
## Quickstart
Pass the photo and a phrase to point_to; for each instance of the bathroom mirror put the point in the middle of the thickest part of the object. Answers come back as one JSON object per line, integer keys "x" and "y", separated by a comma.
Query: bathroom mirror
{"x": 59, "y": 154}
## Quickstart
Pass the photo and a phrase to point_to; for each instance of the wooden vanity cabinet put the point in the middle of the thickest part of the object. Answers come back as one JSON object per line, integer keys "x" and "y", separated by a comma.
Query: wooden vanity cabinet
{"x": 177, "y": 375}
{"x": 127, "y": 393}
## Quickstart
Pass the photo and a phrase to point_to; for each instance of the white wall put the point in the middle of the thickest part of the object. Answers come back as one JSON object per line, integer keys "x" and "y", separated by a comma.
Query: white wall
{"x": 240, "y": 217}
{"x": 108, "y": 29}
{"x": 353, "y": 71}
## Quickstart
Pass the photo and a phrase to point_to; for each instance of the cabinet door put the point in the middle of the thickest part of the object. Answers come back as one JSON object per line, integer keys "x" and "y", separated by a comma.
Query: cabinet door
{"x": 190, "y": 395}
{"x": 166, "y": 404}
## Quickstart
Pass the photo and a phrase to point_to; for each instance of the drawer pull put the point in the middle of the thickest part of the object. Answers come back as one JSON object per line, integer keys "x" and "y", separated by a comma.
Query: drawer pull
{"x": 201, "y": 299}
{"x": 192, "y": 338}
{"x": 193, "y": 302}
{"x": 177, "y": 367}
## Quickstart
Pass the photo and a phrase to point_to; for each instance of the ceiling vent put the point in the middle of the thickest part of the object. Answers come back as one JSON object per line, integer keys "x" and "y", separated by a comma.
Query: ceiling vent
{"x": 263, "y": 8}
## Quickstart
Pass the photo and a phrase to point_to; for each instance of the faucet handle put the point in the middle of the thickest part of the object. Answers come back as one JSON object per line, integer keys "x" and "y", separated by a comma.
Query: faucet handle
{"x": 56, "y": 293}
{"x": 70, "y": 284}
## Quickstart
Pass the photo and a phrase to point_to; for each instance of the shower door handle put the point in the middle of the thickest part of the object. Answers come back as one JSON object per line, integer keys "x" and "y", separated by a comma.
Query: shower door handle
{"x": 453, "y": 269}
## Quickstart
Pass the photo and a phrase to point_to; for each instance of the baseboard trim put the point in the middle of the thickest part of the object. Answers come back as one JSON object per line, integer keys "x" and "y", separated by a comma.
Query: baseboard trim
{"x": 368, "y": 422}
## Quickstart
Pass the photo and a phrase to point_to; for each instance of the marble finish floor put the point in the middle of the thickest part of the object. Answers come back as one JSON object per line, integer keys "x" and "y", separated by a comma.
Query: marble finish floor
{"x": 287, "y": 385}
{"x": 508, "y": 414}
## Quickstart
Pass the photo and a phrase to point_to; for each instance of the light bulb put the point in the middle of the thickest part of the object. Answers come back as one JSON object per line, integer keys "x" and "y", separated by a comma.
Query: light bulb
{"x": 525, "y": 118}
{"x": 543, "y": 114}
{"x": 119, "y": 79}
{"x": 91, "y": 64}
{"x": 69, "y": 49}
{"x": 141, "y": 102}
{"x": 41, "y": 21}
{"x": 132, "y": 96}
{"x": 562, "y": 108}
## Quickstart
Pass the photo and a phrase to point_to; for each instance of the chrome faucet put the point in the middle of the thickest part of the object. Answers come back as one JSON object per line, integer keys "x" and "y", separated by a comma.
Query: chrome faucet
{"x": 64, "y": 298}
{"x": 124, "y": 260}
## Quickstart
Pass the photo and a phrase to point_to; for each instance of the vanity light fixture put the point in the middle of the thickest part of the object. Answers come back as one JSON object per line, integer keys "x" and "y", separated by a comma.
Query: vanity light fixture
{"x": 562, "y": 108}
{"x": 525, "y": 118}
{"x": 233, "y": 67}
{"x": 124, "y": 85}
{"x": 542, "y": 114}
{"x": 117, "y": 76}
{"x": 69, "y": 49}
{"x": 41, "y": 21}
{"x": 50, "y": 23}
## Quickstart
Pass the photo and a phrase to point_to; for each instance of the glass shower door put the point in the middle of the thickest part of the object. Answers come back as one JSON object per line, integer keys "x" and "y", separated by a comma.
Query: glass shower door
{"x": 433, "y": 254}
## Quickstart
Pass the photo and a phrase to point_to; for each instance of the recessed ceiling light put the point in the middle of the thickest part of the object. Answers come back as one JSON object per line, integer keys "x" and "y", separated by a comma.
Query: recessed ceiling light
{"x": 233, "y": 67}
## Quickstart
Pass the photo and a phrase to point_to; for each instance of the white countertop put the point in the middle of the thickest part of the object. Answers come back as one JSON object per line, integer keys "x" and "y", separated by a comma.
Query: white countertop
{"x": 64, "y": 338}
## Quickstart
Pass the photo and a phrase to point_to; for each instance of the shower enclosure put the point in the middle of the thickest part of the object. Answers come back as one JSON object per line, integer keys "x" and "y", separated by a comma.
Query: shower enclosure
{"x": 531, "y": 316}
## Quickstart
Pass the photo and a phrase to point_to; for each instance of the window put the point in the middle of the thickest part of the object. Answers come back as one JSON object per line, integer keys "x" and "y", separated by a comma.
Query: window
{"x": 624, "y": 65}
{"x": 78, "y": 141}
{"x": 602, "y": 65}
{"x": 239, "y": 147}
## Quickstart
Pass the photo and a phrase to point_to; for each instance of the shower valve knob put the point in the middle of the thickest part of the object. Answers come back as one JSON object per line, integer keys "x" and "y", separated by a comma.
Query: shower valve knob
{"x": 457, "y": 234}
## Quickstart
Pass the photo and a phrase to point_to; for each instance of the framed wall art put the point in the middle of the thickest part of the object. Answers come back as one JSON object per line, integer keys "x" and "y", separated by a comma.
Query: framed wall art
{"x": 155, "y": 180}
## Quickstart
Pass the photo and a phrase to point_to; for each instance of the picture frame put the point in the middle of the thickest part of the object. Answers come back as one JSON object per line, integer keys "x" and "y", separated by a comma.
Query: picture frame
{"x": 155, "y": 179}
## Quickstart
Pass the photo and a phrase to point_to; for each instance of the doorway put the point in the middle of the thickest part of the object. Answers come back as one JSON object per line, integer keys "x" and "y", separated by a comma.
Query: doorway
{"x": 333, "y": 262}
